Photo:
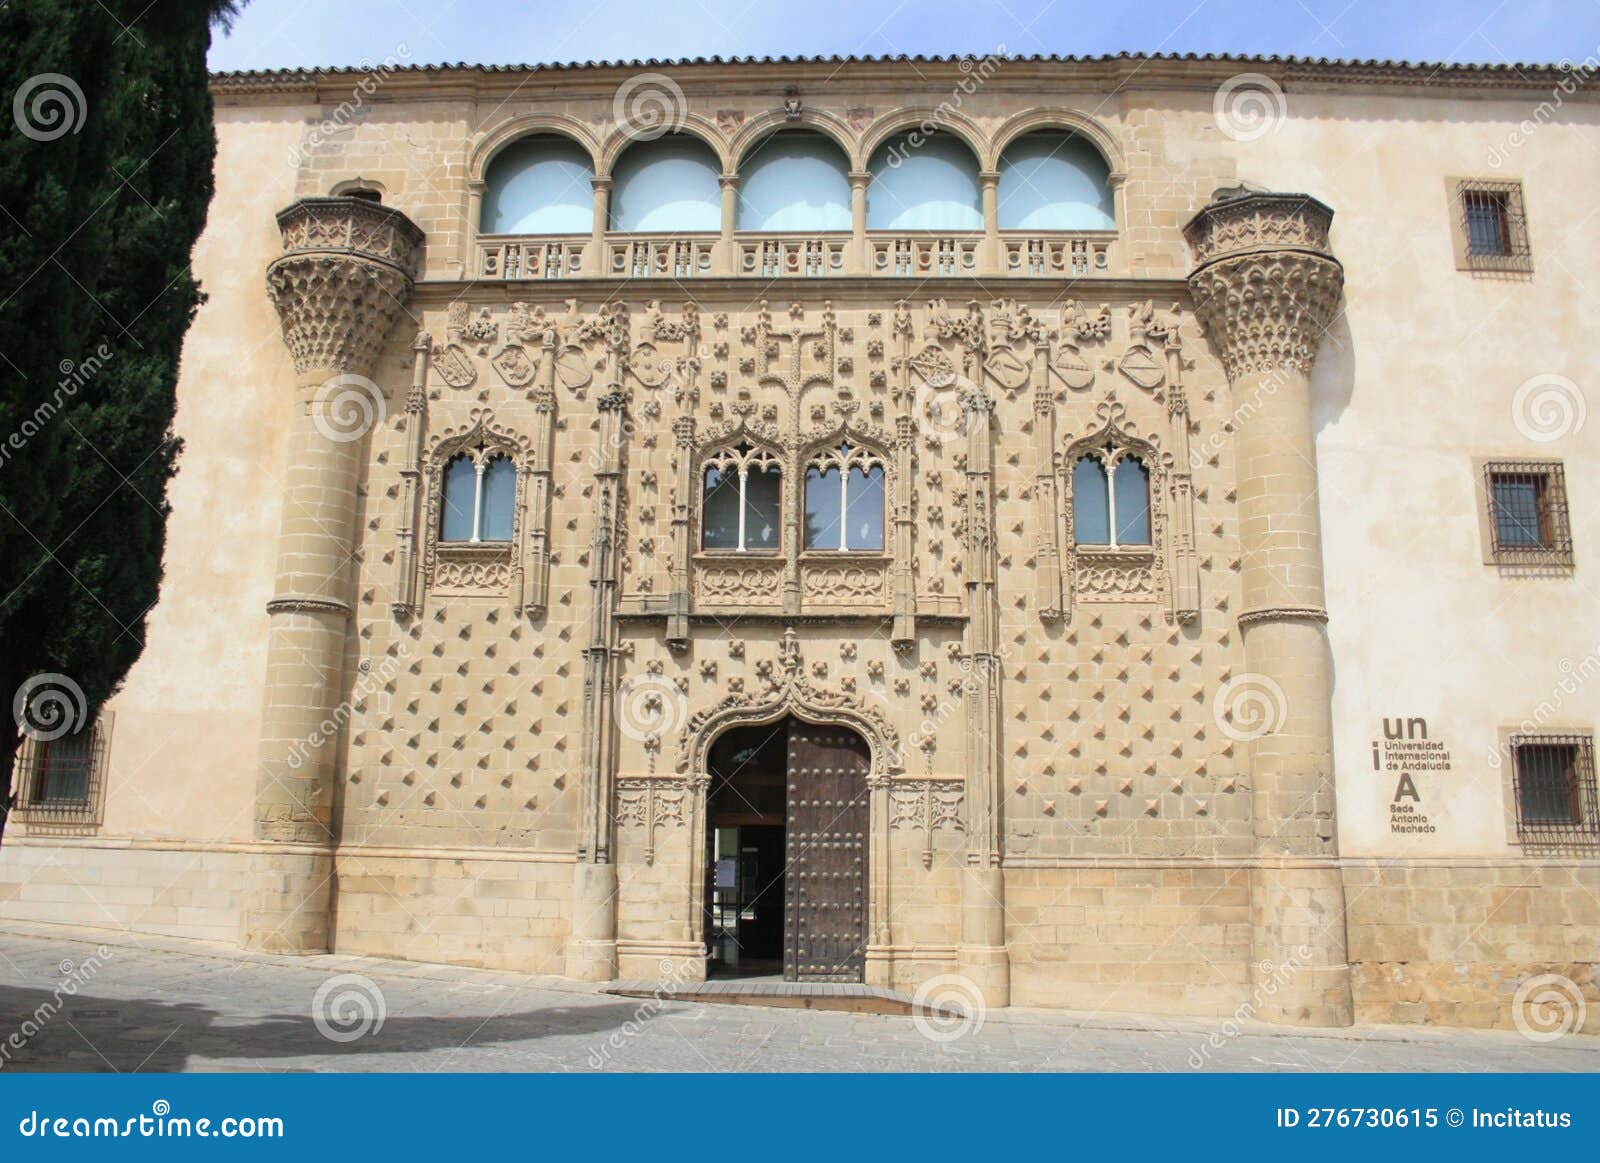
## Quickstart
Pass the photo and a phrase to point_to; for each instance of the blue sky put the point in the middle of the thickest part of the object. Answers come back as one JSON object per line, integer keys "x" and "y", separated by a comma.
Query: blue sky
{"x": 284, "y": 33}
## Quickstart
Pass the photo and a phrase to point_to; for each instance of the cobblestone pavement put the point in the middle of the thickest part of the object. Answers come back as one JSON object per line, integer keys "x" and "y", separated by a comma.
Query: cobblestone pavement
{"x": 151, "y": 1004}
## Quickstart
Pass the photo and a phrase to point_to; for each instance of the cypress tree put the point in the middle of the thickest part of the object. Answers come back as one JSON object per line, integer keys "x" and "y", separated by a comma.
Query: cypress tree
{"x": 105, "y": 178}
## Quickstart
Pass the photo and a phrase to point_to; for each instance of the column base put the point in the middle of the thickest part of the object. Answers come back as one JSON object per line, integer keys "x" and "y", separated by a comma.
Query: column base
{"x": 988, "y": 967}
{"x": 592, "y": 947}
{"x": 982, "y": 956}
{"x": 288, "y": 904}
{"x": 1299, "y": 975}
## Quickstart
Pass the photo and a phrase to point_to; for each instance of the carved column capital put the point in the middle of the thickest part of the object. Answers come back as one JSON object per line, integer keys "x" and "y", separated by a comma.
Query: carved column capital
{"x": 345, "y": 273}
{"x": 1265, "y": 284}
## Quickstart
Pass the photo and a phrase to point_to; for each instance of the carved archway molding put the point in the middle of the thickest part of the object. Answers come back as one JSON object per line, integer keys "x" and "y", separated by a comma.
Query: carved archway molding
{"x": 788, "y": 695}
{"x": 487, "y": 145}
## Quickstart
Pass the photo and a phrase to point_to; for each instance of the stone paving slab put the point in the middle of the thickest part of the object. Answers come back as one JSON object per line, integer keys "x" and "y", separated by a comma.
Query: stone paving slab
{"x": 158, "y": 1004}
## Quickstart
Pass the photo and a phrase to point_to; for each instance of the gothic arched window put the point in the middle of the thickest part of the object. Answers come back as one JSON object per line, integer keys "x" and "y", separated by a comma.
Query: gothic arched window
{"x": 1130, "y": 502}
{"x": 1091, "y": 502}
{"x": 741, "y": 506}
{"x": 844, "y": 500}
{"x": 1110, "y": 499}
{"x": 480, "y": 491}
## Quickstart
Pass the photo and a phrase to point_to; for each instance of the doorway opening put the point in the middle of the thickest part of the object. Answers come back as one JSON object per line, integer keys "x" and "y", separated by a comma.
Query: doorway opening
{"x": 786, "y": 853}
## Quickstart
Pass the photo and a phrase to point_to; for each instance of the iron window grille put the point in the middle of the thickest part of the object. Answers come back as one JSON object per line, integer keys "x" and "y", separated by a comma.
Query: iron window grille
{"x": 1493, "y": 227}
{"x": 1528, "y": 519}
{"x": 60, "y": 781}
{"x": 1553, "y": 787}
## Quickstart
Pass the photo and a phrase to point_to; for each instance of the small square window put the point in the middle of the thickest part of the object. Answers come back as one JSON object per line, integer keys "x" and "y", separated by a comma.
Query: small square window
{"x": 1527, "y": 511}
{"x": 59, "y": 781}
{"x": 1553, "y": 788}
{"x": 1490, "y": 229}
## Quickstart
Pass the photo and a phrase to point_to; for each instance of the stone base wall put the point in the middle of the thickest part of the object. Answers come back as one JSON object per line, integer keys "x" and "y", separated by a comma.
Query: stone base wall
{"x": 1445, "y": 943}
{"x": 470, "y": 908}
{"x": 173, "y": 890}
{"x": 1449, "y": 943}
{"x": 1150, "y": 939}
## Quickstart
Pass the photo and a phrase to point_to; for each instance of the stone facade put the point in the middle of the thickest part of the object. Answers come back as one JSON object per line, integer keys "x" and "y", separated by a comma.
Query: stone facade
{"x": 496, "y": 753}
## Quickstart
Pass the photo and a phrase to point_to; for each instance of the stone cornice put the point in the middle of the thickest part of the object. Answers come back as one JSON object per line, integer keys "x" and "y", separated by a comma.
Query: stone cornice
{"x": 1119, "y": 71}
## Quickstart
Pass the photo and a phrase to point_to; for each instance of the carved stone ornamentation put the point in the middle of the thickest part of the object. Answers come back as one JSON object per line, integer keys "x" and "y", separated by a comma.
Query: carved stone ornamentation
{"x": 651, "y": 804}
{"x": 928, "y": 805}
{"x": 346, "y": 268}
{"x": 788, "y": 691}
{"x": 1265, "y": 285}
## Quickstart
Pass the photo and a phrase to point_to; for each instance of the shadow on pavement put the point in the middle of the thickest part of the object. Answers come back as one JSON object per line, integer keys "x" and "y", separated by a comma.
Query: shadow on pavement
{"x": 100, "y": 1034}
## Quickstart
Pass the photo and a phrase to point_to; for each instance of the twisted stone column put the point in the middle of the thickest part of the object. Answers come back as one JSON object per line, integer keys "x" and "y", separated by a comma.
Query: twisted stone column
{"x": 345, "y": 273}
{"x": 1266, "y": 287}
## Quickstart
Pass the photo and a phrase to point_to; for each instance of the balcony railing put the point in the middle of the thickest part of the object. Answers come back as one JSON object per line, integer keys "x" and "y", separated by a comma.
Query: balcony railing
{"x": 781, "y": 256}
{"x": 1056, "y": 255}
{"x": 773, "y": 256}
{"x": 532, "y": 258}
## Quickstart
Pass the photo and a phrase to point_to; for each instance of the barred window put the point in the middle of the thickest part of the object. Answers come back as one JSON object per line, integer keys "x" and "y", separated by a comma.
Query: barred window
{"x": 1528, "y": 519}
{"x": 59, "y": 780}
{"x": 1488, "y": 232}
{"x": 1553, "y": 786}
{"x": 1490, "y": 228}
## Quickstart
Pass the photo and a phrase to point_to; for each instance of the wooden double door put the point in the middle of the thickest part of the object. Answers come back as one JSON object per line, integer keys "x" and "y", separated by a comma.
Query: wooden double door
{"x": 824, "y": 814}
